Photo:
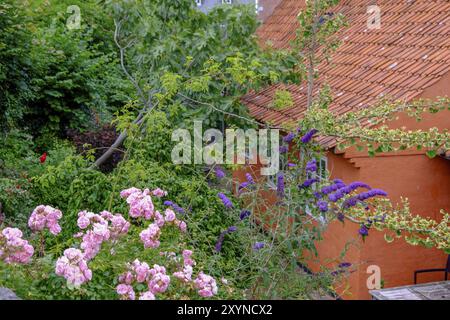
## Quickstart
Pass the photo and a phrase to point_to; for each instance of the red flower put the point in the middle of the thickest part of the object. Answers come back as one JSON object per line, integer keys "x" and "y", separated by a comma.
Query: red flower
{"x": 43, "y": 157}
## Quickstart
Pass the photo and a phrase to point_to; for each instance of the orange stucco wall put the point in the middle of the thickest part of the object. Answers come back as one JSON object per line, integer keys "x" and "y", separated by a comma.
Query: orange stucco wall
{"x": 411, "y": 174}
{"x": 426, "y": 183}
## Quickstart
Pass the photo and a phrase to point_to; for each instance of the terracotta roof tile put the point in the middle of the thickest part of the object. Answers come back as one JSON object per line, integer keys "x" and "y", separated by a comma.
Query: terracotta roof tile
{"x": 409, "y": 53}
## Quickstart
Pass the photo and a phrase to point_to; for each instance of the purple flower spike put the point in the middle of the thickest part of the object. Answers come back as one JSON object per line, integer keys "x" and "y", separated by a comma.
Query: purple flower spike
{"x": 220, "y": 174}
{"x": 308, "y": 183}
{"x": 226, "y": 202}
{"x": 174, "y": 206}
{"x": 283, "y": 149}
{"x": 280, "y": 185}
{"x": 249, "y": 178}
{"x": 363, "y": 231}
{"x": 323, "y": 206}
{"x": 258, "y": 246}
{"x": 344, "y": 265}
{"x": 244, "y": 214}
{"x": 311, "y": 166}
{"x": 220, "y": 240}
{"x": 243, "y": 185}
{"x": 289, "y": 137}
{"x": 308, "y": 137}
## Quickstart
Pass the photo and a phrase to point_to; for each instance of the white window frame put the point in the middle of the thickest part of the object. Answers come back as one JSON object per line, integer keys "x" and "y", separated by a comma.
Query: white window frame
{"x": 227, "y": 1}
{"x": 199, "y": 3}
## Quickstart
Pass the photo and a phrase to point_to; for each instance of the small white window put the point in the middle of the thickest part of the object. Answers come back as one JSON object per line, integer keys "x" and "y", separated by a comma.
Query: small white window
{"x": 227, "y": 1}
{"x": 199, "y": 3}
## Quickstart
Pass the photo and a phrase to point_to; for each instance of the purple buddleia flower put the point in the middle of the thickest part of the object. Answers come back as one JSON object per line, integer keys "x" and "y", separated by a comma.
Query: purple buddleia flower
{"x": 334, "y": 187}
{"x": 370, "y": 194}
{"x": 337, "y": 272}
{"x": 220, "y": 174}
{"x": 334, "y": 197}
{"x": 289, "y": 137}
{"x": 174, "y": 206}
{"x": 344, "y": 265}
{"x": 363, "y": 231}
{"x": 249, "y": 178}
{"x": 318, "y": 195}
{"x": 322, "y": 205}
{"x": 280, "y": 185}
{"x": 284, "y": 149}
{"x": 307, "y": 137}
{"x": 244, "y": 214}
{"x": 220, "y": 240}
{"x": 355, "y": 185}
{"x": 219, "y": 243}
{"x": 226, "y": 202}
{"x": 311, "y": 166}
{"x": 340, "y": 217}
{"x": 291, "y": 165}
{"x": 258, "y": 246}
{"x": 308, "y": 183}
{"x": 243, "y": 185}
{"x": 351, "y": 202}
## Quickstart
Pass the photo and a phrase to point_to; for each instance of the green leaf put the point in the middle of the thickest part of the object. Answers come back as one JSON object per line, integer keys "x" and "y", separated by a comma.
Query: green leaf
{"x": 431, "y": 154}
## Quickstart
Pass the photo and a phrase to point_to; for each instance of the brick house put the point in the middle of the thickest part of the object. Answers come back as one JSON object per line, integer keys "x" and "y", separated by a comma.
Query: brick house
{"x": 407, "y": 58}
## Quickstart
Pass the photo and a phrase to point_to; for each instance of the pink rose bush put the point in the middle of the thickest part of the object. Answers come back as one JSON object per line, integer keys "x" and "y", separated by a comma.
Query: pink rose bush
{"x": 96, "y": 229}
{"x": 150, "y": 236}
{"x": 14, "y": 249}
{"x": 158, "y": 280}
{"x": 185, "y": 275}
{"x": 141, "y": 205}
{"x": 139, "y": 272}
{"x": 206, "y": 285}
{"x": 45, "y": 217}
{"x": 140, "y": 202}
{"x": 73, "y": 266}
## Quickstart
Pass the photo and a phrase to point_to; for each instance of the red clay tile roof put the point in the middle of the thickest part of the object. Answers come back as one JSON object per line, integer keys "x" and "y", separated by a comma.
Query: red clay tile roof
{"x": 409, "y": 53}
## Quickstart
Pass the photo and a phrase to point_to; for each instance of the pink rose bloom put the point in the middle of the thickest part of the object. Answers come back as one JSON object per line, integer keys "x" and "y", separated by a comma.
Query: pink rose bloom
{"x": 126, "y": 193}
{"x": 182, "y": 226}
{"x": 159, "y": 281}
{"x": 73, "y": 267}
{"x": 159, "y": 193}
{"x": 45, "y": 217}
{"x": 126, "y": 291}
{"x": 206, "y": 285}
{"x": 159, "y": 219}
{"x": 14, "y": 249}
{"x": 170, "y": 215}
{"x": 150, "y": 236}
{"x": 147, "y": 296}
